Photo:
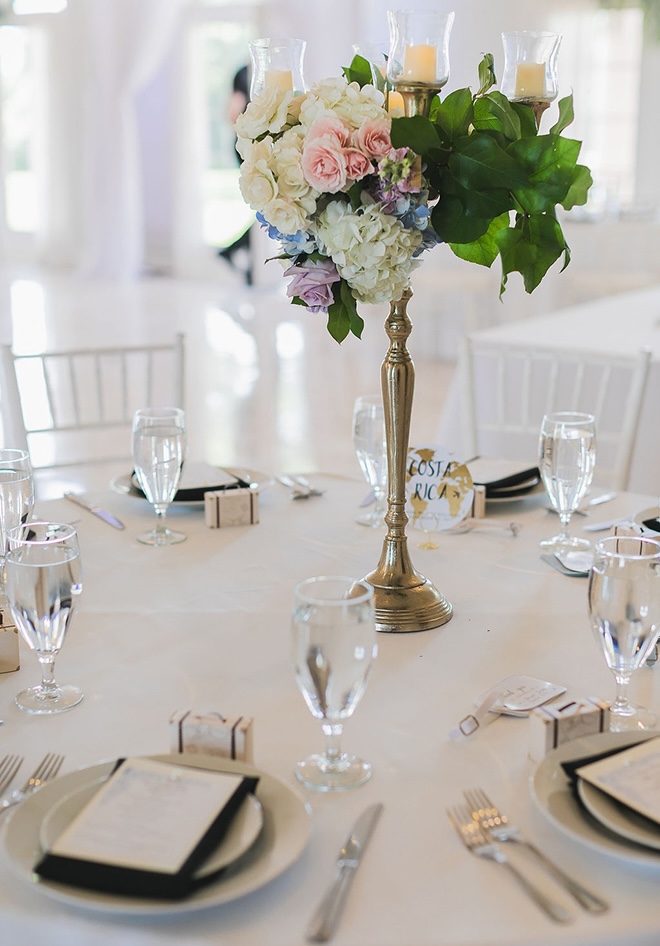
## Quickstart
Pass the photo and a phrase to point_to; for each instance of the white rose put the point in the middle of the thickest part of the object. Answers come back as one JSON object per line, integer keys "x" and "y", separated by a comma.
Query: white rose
{"x": 267, "y": 112}
{"x": 285, "y": 215}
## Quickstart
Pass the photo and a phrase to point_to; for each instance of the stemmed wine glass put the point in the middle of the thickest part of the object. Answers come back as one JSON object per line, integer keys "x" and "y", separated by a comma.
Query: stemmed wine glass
{"x": 371, "y": 449}
{"x": 567, "y": 455}
{"x": 624, "y": 605}
{"x": 159, "y": 449}
{"x": 334, "y": 644}
{"x": 44, "y": 580}
{"x": 16, "y": 491}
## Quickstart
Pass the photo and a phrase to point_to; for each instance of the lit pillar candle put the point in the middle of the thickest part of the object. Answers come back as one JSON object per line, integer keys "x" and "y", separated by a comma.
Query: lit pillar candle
{"x": 281, "y": 79}
{"x": 530, "y": 80}
{"x": 420, "y": 63}
{"x": 395, "y": 104}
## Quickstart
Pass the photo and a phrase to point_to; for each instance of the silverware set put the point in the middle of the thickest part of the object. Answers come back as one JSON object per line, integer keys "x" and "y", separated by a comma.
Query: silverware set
{"x": 299, "y": 486}
{"x": 486, "y": 831}
{"x": 47, "y": 769}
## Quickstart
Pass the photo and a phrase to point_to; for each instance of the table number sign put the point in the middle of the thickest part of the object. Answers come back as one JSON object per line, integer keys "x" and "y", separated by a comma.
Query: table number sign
{"x": 439, "y": 489}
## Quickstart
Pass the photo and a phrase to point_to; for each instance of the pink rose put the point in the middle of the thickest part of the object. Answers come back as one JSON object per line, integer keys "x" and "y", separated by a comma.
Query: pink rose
{"x": 312, "y": 283}
{"x": 324, "y": 165}
{"x": 358, "y": 164}
{"x": 329, "y": 126}
{"x": 373, "y": 137}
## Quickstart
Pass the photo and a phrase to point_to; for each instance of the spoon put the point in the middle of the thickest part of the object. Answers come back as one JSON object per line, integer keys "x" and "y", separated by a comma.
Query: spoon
{"x": 562, "y": 568}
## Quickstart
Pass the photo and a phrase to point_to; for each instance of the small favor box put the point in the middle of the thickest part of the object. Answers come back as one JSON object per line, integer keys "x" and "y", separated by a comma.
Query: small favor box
{"x": 552, "y": 726}
{"x": 212, "y": 734}
{"x": 9, "y": 652}
{"x": 231, "y": 507}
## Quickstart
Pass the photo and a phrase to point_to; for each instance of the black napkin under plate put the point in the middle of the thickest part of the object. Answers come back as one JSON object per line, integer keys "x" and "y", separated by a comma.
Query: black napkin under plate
{"x": 571, "y": 766}
{"x": 128, "y": 881}
{"x": 508, "y": 485}
{"x": 195, "y": 494}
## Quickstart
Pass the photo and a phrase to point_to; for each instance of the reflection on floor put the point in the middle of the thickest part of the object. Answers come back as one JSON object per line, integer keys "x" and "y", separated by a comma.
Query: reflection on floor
{"x": 266, "y": 386}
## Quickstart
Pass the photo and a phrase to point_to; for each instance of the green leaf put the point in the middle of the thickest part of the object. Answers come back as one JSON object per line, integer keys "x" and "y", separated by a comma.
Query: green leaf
{"x": 485, "y": 250}
{"x": 551, "y": 162}
{"x": 452, "y": 224}
{"x": 480, "y": 163}
{"x": 348, "y": 299}
{"x": 417, "y": 133}
{"x": 359, "y": 71}
{"x": 487, "y": 77}
{"x": 528, "y": 127}
{"x": 530, "y": 248}
{"x": 579, "y": 189}
{"x": 455, "y": 114}
{"x": 566, "y": 115}
{"x": 494, "y": 112}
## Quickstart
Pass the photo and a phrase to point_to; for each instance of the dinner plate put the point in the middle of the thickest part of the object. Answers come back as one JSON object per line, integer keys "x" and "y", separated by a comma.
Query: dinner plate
{"x": 553, "y": 795}
{"x": 619, "y": 818}
{"x": 241, "y": 834}
{"x": 281, "y": 841}
{"x": 126, "y": 485}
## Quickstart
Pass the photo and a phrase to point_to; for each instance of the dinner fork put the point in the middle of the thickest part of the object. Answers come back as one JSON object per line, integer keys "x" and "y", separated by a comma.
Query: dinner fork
{"x": 9, "y": 766}
{"x": 47, "y": 769}
{"x": 495, "y": 824}
{"x": 478, "y": 842}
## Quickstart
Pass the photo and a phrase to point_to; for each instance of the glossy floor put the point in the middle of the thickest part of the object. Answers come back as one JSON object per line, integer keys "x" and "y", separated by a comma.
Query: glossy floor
{"x": 266, "y": 386}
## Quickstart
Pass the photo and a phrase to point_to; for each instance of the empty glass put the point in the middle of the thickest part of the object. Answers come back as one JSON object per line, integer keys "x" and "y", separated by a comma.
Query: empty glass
{"x": 624, "y": 605}
{"x": 334, "y": 644}
{"x": 371, "y": 449}
{"x": 567, "y": 455}
{"x": 44, "y": 580}
{"x": 159, "y": 449}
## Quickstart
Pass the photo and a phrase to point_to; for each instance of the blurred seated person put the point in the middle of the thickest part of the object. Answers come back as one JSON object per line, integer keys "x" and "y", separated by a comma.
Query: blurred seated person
{"x": 238, "y": 101}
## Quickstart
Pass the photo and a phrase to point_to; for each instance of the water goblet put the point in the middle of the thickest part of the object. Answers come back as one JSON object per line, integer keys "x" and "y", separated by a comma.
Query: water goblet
{"x": 44, "y": 580}
{"x": 159, "y": 448}
{"x": 624, "y": 606}
{"x": 371, "y": 449}
{"x": 16, "y": 491}
{"x": 567, "y": 455}
{"x": 334, "y": 645}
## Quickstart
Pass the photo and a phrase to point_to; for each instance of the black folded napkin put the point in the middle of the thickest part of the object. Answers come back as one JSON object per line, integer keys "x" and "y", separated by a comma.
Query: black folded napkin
{"x": 571, "y": 766}
{"x": 131, "y": 881}
{"x": 508, "y": 485}
{"x": 195, "y": 494}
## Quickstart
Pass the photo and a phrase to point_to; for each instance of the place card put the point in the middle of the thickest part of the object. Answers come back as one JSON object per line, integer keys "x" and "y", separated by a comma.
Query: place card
{"x": 439, "y": 489}
{"x": 212, "y": 734}
{"x": 236, "y": 507}
{"x": 519, "y": 694}
{"x": 552, "y": 726}
{"x": 632, "y": 777}
{"x": 147, "y": 830}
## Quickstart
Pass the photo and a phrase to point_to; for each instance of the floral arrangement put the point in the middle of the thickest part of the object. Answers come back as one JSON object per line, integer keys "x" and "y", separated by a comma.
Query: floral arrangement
{"x": 355, "y": 196}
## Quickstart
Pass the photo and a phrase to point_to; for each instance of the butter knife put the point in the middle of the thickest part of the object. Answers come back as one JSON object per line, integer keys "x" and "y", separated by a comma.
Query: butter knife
{"x": 95, "y": 510}
{"x": 325, "y": 920}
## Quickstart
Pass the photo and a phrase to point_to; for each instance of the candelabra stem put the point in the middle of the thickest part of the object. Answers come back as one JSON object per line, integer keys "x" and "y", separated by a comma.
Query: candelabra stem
{"x": 404, "y": 600}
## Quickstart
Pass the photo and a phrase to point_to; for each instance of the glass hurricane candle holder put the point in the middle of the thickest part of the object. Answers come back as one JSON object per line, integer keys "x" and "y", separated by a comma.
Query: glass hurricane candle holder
{"x": 277, "y": 63}
{"x": 530, "y": 68}
{"x": 418, "y": 64}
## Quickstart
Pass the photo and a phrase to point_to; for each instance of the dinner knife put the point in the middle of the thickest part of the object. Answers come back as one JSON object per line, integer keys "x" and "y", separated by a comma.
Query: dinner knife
{"x": 325, "y": 920}
{"x": 95, "y": 510}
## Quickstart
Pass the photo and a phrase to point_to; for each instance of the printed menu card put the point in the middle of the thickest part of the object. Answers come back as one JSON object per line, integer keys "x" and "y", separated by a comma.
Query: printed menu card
{"x": 631, "y": 777}
{"x": 147, "y": 829}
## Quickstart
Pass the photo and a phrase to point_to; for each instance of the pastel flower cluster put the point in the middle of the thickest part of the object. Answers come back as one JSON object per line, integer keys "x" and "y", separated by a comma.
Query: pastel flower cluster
{"x": 349, "y": 210}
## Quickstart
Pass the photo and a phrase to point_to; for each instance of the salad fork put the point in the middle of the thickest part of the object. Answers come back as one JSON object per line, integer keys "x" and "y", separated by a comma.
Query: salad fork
{"x": 46, "y": 770}
{"x": 478, "y": 842}
{"x": 496, "y": 826}
{"x": 9, "y": 766}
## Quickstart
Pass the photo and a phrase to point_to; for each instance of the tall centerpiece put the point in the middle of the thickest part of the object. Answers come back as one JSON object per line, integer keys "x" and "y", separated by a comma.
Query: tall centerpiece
{"x": 355, "y": 196}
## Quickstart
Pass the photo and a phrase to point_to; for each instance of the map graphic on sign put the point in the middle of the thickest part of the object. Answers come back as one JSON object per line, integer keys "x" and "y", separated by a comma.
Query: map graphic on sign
{"x": 439, "y": 489}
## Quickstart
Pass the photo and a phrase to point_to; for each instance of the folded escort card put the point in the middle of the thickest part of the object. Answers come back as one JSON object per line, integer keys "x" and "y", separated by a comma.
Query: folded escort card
{"x": 632, "y": 777}
{"x": 147, "y": 830}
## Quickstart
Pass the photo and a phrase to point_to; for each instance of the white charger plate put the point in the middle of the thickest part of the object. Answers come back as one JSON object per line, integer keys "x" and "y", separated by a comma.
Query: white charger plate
{"x": 241, "y": 834}
{"x": 619, "y": 818}
{"x": 281, "y": 841}
{"x": 553, "y": 796}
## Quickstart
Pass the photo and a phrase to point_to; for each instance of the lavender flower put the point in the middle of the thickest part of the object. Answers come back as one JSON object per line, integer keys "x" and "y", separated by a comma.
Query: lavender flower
{"x": 312, "y": 283}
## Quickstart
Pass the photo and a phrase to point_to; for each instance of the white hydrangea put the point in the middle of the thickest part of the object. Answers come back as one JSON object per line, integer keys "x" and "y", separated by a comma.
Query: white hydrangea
{"x": 372, "y": 251}
{"x": 352, "y": 104}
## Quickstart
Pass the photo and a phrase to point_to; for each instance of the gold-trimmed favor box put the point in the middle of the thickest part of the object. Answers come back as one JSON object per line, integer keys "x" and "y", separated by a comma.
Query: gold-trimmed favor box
{"x": 231, "y": 507}
{"x": 212, "y": 734}
{"x": 552, "y": 726}
{"x": 9, "y": 650}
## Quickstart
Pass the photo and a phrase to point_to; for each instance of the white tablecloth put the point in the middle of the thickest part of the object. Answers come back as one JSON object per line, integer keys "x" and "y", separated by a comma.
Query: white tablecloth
{"x": 205, "y": 625}
{"x": 618, "y": 325}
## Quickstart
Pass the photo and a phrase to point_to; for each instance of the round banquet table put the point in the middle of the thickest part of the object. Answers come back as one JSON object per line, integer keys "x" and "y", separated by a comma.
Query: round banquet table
{"x": 205, "y": 625}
